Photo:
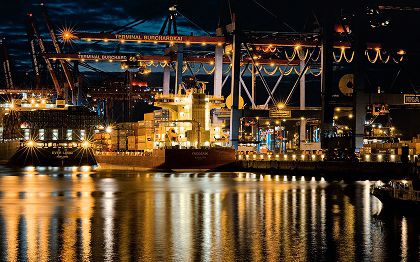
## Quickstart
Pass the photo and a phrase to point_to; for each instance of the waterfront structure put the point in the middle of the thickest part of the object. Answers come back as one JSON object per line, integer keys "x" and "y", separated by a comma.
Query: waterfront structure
{"x": 238, "y": 51}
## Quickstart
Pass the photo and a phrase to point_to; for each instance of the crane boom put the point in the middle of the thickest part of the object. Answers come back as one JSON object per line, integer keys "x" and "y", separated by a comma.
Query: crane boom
{"x": 57, "y": 46}
{"x": 34, "y": 30}
{"x": 34, "y": 57}
{"x": 156, "y": 58}
{"x": 6, "y": 65}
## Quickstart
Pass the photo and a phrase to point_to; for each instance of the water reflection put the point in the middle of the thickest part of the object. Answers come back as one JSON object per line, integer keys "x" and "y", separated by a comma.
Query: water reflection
{"x": 80, "y": 215}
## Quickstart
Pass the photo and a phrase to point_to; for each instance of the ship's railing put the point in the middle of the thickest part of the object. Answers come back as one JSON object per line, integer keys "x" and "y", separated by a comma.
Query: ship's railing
{"x": 173, "y": 96}
{"x": 279, "y": 157}
{"x": 124, "y": 153}
{"x": 319, "y": 156}
{"x": 49, "y": 144}
{"x": 399, "y": 189}
{"x": 406, "y": 194}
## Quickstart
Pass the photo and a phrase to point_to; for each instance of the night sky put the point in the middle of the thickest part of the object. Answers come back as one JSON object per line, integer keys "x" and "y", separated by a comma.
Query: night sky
{"x": 401, "y": 30}
{"x": 97, "y": 16}
{"x": 92, "y": 16}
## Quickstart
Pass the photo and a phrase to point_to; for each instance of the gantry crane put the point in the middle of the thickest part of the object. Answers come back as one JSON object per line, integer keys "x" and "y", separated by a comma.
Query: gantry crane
{"x": 34, "y": 33}
{"x": 34, "y": 56}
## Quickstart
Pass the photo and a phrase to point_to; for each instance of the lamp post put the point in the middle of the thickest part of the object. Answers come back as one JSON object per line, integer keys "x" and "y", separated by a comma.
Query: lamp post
{"x": 258, "y": 134}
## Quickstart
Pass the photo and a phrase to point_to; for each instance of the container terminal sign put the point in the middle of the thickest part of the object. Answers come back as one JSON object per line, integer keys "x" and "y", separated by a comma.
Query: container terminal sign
{"x": 412, "y": 99}
{"x": 150, "y": 37}
{"x": 103, "y": 57}
{"x": 219, "y": 40}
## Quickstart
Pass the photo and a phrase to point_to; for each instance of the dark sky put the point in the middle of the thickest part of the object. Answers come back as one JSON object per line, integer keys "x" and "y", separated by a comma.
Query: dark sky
{"x": 402, "y": 30}
{"x": 94, "y": 16}
{"x": 105, "y": 15}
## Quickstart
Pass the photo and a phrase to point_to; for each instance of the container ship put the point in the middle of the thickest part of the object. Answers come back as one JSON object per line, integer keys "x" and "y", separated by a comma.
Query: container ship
{"x": 184, "y": 134}
{"x": 38, "y": 132}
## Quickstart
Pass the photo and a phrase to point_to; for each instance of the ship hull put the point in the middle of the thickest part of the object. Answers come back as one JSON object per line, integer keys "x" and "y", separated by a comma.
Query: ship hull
{"x": 170, "y": 159}
{"x": 7, "y": 150}
{"x": 391, "y": 203}
{"x": 25, "y": 156}
{"x": 201, "y": 159}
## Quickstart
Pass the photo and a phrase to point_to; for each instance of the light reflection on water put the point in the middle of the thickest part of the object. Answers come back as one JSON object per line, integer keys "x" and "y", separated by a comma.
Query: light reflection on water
{"x": 78, "y": 214}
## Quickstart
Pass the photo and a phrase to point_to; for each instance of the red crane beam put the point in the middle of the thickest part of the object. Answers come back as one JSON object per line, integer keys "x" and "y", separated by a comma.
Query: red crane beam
{"x": 156, "y": 58}
{"x": 171, "y": 39}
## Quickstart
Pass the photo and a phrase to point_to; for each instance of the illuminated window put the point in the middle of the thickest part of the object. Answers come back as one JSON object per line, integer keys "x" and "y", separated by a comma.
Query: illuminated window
{"x": 41, "y": 134}
{"x": 55, "y": 134}
{"x": 26, "y": 134}
{"x": 69, "y": 134}
{"x": 82, "y": 134}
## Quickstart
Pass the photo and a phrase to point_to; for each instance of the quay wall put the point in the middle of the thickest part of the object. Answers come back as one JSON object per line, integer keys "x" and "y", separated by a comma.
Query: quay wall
{"x": 333, "y": 170}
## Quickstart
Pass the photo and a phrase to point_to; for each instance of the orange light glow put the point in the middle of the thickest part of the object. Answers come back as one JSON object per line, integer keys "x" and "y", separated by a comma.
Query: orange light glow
{"x": 67, "y": 34}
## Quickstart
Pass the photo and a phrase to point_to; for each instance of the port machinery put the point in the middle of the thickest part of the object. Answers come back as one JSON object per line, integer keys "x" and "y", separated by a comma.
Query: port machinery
{"x": 302, "y": 53}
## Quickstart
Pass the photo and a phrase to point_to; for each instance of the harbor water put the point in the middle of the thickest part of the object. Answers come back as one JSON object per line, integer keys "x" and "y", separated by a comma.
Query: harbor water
{"x": 78, "y": 214}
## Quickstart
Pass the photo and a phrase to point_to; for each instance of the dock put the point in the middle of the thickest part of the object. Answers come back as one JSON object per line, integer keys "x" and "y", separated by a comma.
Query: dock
{"x": 331, "y": 170}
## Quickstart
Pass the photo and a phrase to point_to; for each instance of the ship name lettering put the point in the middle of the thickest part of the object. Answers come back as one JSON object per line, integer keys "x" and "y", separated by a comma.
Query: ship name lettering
{"x": 412, "y": 99}
{"x": 200, "y": 153}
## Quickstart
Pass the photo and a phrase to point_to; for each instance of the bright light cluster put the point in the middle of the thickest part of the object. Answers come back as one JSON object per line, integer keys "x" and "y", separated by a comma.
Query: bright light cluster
{"x": 67, "y": 34}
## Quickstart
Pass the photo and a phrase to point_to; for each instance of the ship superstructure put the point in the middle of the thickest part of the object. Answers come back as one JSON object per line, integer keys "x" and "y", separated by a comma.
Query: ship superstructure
{"x": 190, "y": 120}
